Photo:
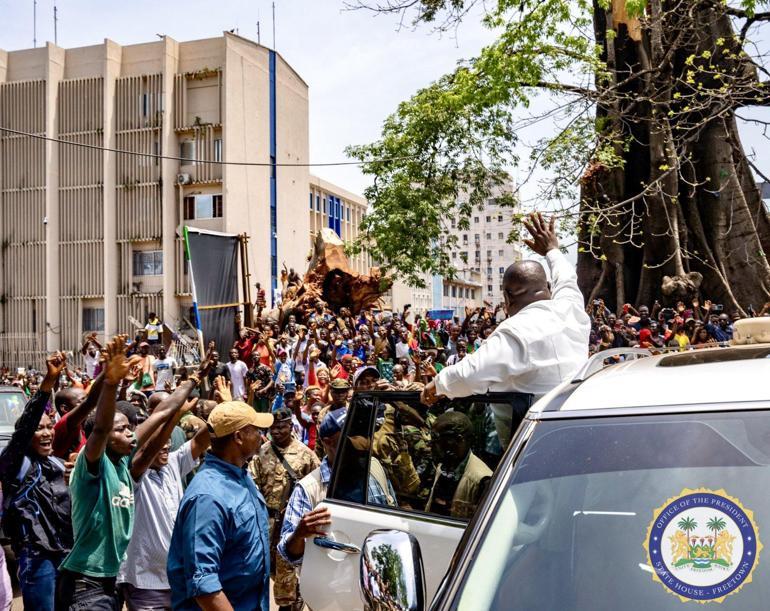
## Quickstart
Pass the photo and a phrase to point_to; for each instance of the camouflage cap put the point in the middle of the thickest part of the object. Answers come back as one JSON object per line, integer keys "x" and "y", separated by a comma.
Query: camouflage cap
{"x": 281, "y": 414}
{"x": 340, "y": 384}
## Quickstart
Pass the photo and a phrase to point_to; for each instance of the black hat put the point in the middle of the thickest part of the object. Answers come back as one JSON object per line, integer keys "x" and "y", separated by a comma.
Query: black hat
{"x": 281, "y": 414}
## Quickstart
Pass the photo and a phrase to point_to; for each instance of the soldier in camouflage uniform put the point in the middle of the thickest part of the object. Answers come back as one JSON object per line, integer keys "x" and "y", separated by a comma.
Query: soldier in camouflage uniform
{"x": 276, "y": 484}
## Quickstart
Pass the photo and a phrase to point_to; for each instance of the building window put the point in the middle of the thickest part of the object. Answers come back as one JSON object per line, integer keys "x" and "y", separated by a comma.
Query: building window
{"x": 465, "y": 238}
{"x": 476, "y": 219}
{"x": 501, "y": 270}
{"x": 93, "y": 319}
{"x": 467, "y": 293}
{"x": 144, "y": 104}
{"x": 187, "y": 152}
{"x": 202, "y": 207}
{"x": 454, "y": 291}
{"x": 488, "y": 236}
{"x": 347, "y": 213}
{"x": 489, "y": 219}
{"x": 500, "y": 253}
{"x": 489, "y": 288}
{"x": 148, "y": 263}
{"x": 453, "y": 223}
{"x": 489, "y": 254}
{"x": 218, "y": 149}
{"x": 499, "y": 218}
{"x": 500, "y": 235}
{"x": 489, "y": 271}
{"x": 473, "y": 293}
{"x": 446, "y": 290}
{"x": 324, "y": 208}
{"x": 311, "y": 201}
{"x": 318, "y": 203}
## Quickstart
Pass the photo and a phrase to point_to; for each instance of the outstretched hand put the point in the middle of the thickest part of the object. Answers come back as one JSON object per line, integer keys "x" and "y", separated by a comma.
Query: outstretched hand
{"x": 544, "y": 238}
{"x": 55, "y": 364}
{"x": 117, "y": 365}
{"x": 221, "y": 390}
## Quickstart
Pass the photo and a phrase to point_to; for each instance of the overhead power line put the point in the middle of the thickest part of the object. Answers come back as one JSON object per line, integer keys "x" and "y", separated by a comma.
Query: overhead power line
{"x": 97, "y": 147}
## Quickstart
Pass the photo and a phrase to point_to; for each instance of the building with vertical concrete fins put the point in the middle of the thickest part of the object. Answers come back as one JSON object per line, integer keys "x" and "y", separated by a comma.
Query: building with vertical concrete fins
{"x": 89, "y": 237}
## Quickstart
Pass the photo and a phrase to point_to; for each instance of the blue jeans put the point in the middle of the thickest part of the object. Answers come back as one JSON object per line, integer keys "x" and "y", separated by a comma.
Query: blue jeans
{"x": 37, "y": 578}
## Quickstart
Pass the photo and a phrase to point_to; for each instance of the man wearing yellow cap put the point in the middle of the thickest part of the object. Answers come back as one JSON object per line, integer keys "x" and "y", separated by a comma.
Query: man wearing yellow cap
{"x": 220, "y": 551}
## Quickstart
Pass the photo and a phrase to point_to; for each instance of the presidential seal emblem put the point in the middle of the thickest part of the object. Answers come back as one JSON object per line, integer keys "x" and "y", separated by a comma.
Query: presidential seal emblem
{"x": 702, "y": 545}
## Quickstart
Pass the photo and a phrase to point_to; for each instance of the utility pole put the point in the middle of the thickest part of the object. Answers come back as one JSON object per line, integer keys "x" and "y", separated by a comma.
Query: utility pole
{"x": 55, "y": 25}
{"x": 273, "y": 26}
{"x": 34, "y": 23}
{"x": 258, "y": 40}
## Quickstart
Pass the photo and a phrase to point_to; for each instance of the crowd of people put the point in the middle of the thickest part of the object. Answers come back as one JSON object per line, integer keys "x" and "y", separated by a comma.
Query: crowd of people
{"x": 133, "y": 480}
{"x": 678, "y": 328}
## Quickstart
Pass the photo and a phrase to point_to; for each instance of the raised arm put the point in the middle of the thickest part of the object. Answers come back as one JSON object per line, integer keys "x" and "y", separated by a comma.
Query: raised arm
{"x": 115, "y": 367}
{"x": 169, "y": 406}
{"x": 78, "y": 414}
{"x": 158, "y": 436}
{"x": 545, "y": 242}
{"x": 13, "y": 454}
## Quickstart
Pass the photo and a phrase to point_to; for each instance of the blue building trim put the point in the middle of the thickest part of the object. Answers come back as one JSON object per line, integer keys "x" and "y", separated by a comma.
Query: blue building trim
{"x": 273, "y": 184}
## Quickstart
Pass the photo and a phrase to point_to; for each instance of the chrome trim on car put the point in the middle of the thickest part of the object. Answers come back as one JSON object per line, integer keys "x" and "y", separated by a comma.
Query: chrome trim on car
{"x": 337, "y": 546}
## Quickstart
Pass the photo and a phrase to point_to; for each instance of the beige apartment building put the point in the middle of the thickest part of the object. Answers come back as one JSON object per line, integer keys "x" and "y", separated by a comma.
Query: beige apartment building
{"x": 486, "y": 248}
{"x": 90, "y": 237}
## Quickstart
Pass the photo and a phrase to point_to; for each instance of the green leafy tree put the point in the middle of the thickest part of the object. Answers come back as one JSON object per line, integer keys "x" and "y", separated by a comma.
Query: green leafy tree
{"x": 716, "y": 525}
{"x": 391, "y": 570}
{"x": 647, "y": 165}
{"x": 687, "y": 525}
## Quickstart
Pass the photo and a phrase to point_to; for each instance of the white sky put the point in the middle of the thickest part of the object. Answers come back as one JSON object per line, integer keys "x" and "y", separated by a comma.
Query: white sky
{"x": 359, "y": 66}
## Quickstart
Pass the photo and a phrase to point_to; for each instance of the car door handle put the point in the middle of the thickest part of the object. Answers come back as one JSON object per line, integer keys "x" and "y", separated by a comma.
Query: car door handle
{"x": 348, "y": 548}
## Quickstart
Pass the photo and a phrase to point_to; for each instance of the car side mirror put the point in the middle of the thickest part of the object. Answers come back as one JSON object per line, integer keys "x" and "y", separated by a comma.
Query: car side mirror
{"x": 392, "y": 575}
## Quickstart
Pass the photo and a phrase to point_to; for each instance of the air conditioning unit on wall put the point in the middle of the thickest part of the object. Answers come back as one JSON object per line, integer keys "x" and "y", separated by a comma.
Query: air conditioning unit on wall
{"x": 183, "y": 179}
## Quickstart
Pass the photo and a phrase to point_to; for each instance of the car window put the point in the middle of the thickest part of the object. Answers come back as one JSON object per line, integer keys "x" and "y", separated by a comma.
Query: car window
{"x": 439, "y": 461}
{"x": 631, "y": 513}
{"x": 11, "y": 407}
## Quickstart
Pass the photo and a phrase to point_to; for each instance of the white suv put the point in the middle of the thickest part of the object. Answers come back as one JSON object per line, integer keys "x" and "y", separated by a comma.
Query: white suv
{"x": 637, "y": 486}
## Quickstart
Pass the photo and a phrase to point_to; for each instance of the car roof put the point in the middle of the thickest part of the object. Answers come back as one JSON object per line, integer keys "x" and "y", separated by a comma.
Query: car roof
{"x": 8, "y": 388}
{"x": 733, "y": 375}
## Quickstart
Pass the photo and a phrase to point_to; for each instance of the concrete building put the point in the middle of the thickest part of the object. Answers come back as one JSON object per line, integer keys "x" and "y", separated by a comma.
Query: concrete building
{"x": 88, "y": 236}
{"x": 401, "y": 294}
{"x": 334, "y": 207}
{"x": 464, "y": 291}
{"x": 486, "y": 248}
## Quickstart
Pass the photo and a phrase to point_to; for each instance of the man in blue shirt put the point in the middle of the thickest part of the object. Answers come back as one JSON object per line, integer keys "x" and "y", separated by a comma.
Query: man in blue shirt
{"x": 220, "y": 551}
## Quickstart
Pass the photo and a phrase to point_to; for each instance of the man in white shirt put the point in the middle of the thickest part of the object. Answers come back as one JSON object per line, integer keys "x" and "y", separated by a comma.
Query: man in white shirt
{"x": 544, "y": 340}
{"x": 163, "y": 367}
{"x": 158, "y": 478}
{"x": 238, "y": 371}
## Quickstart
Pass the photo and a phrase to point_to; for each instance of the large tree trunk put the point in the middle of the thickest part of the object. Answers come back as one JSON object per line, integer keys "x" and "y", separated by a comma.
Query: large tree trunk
{"x": 691, "y": 204}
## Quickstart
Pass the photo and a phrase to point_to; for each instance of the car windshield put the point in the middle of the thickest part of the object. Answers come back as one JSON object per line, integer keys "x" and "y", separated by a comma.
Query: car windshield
{"x": 11, "y": 407}
{"x": 632, "y": 513}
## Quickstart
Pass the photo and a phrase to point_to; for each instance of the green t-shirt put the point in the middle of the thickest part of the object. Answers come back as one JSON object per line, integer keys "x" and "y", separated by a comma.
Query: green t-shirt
{"x": 102, "y": 516}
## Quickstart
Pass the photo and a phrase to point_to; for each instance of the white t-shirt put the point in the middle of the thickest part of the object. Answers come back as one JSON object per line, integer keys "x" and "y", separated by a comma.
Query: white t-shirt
{"x": 157, "y": 495}
{"x": 164, "y": 372}
{"x": 153, "y": 331}
{"x": 238, "y": 372}
{"x": 91, "y": 362}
